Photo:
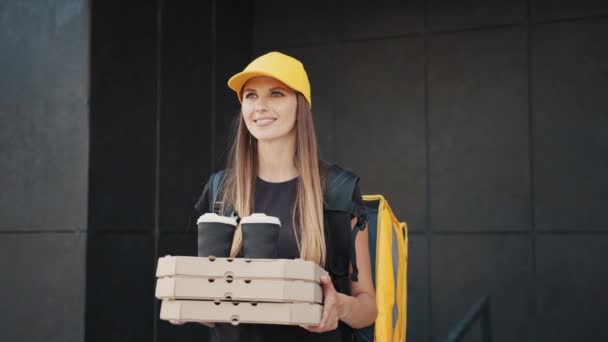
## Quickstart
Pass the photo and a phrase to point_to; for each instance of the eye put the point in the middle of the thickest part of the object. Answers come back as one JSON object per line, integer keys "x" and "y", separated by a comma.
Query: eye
{"x": 250, "y": 96}
{"x": 277, "y": 93}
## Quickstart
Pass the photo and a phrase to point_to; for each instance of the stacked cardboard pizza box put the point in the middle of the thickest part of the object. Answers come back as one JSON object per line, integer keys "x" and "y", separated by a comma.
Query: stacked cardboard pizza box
{"x": 238, "y": 290}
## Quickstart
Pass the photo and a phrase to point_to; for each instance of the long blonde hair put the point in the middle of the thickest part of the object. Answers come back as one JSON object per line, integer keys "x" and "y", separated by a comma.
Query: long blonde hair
{"x": 238, "y": 186}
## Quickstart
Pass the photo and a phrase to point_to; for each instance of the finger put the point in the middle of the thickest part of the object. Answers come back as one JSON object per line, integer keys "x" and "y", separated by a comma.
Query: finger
{"x": 314, "y": 328}
{"x": 311, "y": 328}
{"x": 328, "y": 316}
{"x": 330, "y": 323}
{"x": 321, "y": 329}
{"x": 334, "y": 324}
{"x": 329, "y": 309}
{"x": 324, "y": 315}
{"x": 329, "y": 292}
{"x": 326, "y": 283}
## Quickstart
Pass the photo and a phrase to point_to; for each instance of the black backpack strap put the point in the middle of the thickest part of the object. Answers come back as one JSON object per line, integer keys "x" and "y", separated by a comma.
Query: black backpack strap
{"x": 359, "y": 226}
{"x": 339, "y": 188}
{"x": 338, "y": 207}
{"x": 215, "y": 180}
{"x": 215, "y": 202}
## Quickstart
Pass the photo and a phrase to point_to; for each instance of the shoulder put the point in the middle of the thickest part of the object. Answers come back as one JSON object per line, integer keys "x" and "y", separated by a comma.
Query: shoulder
{"x": 210, "y": 192}
{"x": 215, "y": 182}
{"x": 340, "y": 185}
{"x": 217, "y": 174}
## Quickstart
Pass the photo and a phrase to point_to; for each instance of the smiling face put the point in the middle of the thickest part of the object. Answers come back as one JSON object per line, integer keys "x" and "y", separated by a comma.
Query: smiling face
{"x": 269, "y": 109}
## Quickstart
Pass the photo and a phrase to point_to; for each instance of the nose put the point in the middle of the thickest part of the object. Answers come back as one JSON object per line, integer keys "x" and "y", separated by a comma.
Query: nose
{"x": 261, "y": 104}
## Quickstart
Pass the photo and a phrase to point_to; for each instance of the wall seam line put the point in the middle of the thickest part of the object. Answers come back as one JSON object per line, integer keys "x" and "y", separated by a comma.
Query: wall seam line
{"x": 534, "y": 293}
{"x": 427, "y": 122}
{"x": 159, "y": 39}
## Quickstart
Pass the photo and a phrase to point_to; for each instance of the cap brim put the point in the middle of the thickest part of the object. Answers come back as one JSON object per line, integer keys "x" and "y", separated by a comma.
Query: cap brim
{"x": 237, "y": 81}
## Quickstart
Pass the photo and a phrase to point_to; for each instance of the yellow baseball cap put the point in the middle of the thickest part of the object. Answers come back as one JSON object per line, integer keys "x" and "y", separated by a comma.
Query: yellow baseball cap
{"x": 277, "y": 65}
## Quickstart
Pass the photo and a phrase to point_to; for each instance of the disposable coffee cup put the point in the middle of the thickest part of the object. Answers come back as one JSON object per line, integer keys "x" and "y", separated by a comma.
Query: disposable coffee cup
{"x": 260, "y": 236}
{"x": 215, "y": 235}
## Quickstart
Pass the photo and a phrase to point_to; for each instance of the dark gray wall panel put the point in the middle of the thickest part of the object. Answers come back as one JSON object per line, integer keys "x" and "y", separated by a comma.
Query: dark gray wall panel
{"x": 366, "y": 19}
{"x": 542, "y": 10}
{"x": 380, "y": 124}
{"x": 198, "y": 107}
{"x": 466, "y": 267}
{"x": 320, "y": 63}
{"x": 572, "y": 282}
{"x": 451, "y": 15}
{"x": 178, "y": 243}
{"x": 120, "y": 287}
{"x": 479, "y": 146}
{"x": 44, "y": 129}
{"x": 418, "y": 311}
{"x": 278, "y": 25}
{"x": 186, "y": 95}
{"x": 570, "y": 83}
{"x": 123, "y": 114}
{"x": 233, "y": 51}
{"x": 43, "y": 287}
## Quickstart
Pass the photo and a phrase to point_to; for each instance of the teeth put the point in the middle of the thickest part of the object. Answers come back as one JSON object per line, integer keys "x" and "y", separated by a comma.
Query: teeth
{"x": 264, "y": 121}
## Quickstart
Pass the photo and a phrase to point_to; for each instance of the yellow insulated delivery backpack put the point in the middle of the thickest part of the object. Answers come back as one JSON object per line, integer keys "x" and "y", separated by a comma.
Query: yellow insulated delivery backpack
{"x": 388, "y": 241}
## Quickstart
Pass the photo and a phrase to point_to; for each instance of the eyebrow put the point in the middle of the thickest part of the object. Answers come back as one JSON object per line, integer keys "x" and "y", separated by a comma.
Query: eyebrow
{"x": 272, "y": 89}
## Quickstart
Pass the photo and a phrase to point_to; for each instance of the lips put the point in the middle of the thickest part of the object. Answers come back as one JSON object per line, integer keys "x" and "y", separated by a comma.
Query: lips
{"x": 264, "y": 122}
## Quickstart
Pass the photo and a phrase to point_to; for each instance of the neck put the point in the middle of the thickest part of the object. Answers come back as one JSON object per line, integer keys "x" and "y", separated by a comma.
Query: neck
{"x": 276, "y": 160}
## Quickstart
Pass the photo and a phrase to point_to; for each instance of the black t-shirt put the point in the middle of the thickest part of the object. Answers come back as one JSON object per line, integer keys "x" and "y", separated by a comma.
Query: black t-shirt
{"x": 275, "y": 199}
{"x": 278, "y": 199}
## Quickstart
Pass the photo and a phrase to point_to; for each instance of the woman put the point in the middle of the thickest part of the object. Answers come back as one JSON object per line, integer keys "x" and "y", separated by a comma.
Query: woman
{"x": 273, "y": 168}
